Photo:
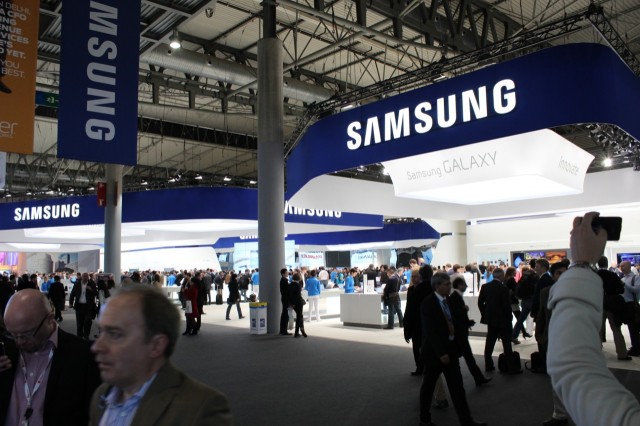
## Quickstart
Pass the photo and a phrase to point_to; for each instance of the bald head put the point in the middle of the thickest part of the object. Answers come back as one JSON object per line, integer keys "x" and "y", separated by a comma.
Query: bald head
{"x": 29, "y": 317}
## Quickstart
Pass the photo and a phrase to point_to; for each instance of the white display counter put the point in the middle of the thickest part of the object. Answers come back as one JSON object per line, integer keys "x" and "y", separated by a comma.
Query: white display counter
{"x": 365, "y": 310}
{"x": 329, "y": 303}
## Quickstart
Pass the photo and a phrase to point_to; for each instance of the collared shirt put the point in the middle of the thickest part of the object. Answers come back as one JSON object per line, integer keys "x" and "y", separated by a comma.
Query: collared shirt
{"x": 631, "y": 287}
{"x": 122, "y": 413}
{"x": 83, "y": 293}
{"x": 446, "y": 314}
{"x": 35, "y": 363}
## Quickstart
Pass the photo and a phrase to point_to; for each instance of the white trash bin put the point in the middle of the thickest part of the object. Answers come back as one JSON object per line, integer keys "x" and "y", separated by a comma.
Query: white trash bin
{"x": 258, "y": 317}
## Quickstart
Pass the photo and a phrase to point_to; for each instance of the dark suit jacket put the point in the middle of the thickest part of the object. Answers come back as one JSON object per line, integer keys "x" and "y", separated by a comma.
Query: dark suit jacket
{"x": 435, "y": 342}
{"x": 173, "y": 399}
{"x": 72, "y": 379}
{"x": 494, "y": 305}
{"x": 91, "y": 294}
{"x": 412, "y": 321}
{"x": 544, "y": 281}
{"x": 56, "y": 294}
{"x": 459, "y": 314}
{"x": 6, "y": 291}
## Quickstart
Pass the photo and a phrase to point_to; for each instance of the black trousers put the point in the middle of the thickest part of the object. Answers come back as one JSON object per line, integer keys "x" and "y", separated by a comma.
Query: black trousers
{"x": 84, "y": 317}
{"x": 299, "y": 318}
{"x": 284, "y": 317}
{"x": 504, "y": 333}
{"x": 465, "y": 349}
{"x": 416, "y": 342}
{"x": 229, "y": 305}
{"x": 432, "y": 370}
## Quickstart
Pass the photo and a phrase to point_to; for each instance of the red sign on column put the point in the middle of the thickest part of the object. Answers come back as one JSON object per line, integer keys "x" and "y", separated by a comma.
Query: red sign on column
{"x": 102, "y": 194}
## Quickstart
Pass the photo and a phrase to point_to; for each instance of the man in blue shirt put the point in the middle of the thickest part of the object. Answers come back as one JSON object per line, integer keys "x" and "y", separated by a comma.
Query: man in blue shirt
{"x": 313, "y": 289}
{"x": 255, "y": 281}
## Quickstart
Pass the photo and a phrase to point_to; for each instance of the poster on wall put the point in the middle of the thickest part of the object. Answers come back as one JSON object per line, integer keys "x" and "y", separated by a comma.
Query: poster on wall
{"x": 363, "y": 258}
{"x": 312, "y": 259}
{"x": 18, "y": 60}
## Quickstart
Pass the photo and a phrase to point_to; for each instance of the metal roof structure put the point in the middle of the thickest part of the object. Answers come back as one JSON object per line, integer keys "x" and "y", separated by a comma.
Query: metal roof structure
{"x": 197, "y": 104}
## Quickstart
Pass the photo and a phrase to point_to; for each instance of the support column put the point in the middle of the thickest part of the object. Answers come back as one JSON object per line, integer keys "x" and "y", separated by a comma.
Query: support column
{"x": 452, "y": 246}
{"x": 270, "y": 167}
{"x": 113, "y": 222}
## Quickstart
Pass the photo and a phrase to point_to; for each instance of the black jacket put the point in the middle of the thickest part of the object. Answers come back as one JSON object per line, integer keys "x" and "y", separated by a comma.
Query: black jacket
{"x": 72, "y": 379}
{"x": 494, "y": 304}
{"x": 436, "y": 341}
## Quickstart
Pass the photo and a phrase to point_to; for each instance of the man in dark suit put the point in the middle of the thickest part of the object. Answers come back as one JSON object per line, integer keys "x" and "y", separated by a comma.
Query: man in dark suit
{"x": 139, "y": 329}
{"x": 284, "y": 298}
{"x": 39, "y": 349}
{"x": 57, "y": 296}
{"x": 83, "y": 299}
{"x": 495, "y": 311}
{"x": 440, "y": 353}
{"x": 545, "y": 280}
{"x": 462, "y": 323}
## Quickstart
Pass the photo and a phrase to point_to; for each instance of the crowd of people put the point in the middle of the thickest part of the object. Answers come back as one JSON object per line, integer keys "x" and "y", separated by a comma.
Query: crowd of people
{"x": 126, "y": 376}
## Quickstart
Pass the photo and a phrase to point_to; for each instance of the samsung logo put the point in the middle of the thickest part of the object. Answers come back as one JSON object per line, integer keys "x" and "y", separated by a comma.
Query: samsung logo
{"x": 397, "y": 124}
{"x": 60, "y": 211}
{"x": 289, "y": 209}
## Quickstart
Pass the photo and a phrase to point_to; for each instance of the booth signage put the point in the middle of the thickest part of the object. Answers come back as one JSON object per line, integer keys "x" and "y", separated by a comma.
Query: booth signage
{"x": 550, "y": 88}
{"x": 18, "y": 61}
{"x": 98, "y": 119}
{"x": 459, "y": 175}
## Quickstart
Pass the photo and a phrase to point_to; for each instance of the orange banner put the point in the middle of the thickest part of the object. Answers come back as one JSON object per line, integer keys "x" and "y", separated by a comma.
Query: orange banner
{"x": 18, "y": 60}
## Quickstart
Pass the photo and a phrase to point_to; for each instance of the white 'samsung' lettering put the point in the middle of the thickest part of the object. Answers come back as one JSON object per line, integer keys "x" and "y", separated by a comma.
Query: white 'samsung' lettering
{"x": 101, "y": 98}
{"x": 289, "y": 209}
{"x": 397, "y": 124}
{"x": 48, "y": 212}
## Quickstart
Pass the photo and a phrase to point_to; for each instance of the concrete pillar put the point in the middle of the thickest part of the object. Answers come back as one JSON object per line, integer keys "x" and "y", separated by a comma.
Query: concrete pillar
{"x": 113, "y": 222}
{"x": 270, "y": 168}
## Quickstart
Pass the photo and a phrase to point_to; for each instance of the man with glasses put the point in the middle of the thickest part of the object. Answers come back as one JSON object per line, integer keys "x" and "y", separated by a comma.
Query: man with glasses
{"x": 50, "y": 374}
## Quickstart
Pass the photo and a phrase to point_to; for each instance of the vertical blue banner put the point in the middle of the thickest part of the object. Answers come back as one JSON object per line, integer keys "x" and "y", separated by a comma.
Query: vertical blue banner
{"x": 98, "y": 117}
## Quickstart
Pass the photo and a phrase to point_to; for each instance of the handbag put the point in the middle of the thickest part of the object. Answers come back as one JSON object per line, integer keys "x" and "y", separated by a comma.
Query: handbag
{"x": 188, "y": 307}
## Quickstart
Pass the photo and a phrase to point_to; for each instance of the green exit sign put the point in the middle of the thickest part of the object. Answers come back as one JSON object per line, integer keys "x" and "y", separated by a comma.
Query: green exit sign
{"x": 48, "y": 99}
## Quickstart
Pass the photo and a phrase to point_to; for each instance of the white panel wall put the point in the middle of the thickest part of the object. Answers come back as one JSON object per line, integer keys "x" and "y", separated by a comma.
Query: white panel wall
{"x": 177, "y": 258}
{"x": 544, "y": 234}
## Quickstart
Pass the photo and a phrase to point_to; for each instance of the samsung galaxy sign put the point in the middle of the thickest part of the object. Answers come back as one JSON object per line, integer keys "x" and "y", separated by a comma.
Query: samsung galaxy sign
{"x": 47, "y": 212}
{"x": 429, "y": 114}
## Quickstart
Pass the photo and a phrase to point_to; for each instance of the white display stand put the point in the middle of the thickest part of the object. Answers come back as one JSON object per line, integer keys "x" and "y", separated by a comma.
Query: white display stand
{"x": 258, "y": 317}
{"x": 365, "y": 310}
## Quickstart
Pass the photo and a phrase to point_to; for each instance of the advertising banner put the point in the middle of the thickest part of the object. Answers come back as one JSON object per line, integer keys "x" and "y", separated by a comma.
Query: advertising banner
{"x": 98, "y": 118}
{"x": 18, "y": 59}
{"x": 561, "y": 85}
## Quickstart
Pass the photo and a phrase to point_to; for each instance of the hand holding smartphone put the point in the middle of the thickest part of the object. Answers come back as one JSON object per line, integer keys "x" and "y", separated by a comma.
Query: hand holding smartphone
{"x": 611, "y": 224}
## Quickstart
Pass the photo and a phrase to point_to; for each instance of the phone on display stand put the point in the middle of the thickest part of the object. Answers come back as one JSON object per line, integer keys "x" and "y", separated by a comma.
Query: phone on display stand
{"x": 611, "y": 224}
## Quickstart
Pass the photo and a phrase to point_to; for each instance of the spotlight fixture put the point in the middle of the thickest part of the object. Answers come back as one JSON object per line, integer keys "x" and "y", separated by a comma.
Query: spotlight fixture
{"x": 175, "y": 41}
{"x": 607, "y": 162}
{"x": 91, "y": 188}
{"x": 198, "y": 177}
{"x": 252, "y": 182}
{"x": 172, "y": 179}
{"x": 144, "y": 183}
{"x": 227, "y": 179}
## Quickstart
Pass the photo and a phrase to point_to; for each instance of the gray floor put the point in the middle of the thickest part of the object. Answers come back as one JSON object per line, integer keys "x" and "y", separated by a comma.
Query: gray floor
{"x": 347, "y": 376}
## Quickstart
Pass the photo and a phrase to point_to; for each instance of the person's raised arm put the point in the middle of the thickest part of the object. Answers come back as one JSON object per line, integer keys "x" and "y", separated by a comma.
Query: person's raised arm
{"x": 578, "y": 370}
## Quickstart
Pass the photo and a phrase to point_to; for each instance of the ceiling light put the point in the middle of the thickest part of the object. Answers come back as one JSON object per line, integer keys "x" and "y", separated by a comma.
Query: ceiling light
{"x": 8, "y": 195}
{"x": 227, "y": 179}
{"x": 144, "y": 183}
{"x": 198, "y": 177}
{"x": 91, "y": 188}
{"x": 607, "y": 162}
{"x": 252, "y": 182}
{"x": 172, "y": 179}
{"x": 174, "y": 41}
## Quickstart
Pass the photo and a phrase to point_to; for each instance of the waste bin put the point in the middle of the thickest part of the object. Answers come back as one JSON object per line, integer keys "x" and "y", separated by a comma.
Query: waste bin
{"x": 258, "y": 317}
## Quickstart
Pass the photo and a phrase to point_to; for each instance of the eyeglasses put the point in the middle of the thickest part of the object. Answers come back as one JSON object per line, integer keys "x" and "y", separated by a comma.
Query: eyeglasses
{"x": 28, "y": 335}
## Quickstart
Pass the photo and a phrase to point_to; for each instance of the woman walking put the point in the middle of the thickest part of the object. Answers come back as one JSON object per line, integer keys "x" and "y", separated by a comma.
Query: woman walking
{"x": 234, "y": 296}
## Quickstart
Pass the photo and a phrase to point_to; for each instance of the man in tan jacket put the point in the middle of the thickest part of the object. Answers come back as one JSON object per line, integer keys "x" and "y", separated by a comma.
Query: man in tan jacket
{"x": 138, "y": 332}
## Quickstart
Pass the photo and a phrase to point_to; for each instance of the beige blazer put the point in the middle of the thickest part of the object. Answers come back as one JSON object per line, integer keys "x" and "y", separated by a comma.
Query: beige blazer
{"x": 173, "y": 399}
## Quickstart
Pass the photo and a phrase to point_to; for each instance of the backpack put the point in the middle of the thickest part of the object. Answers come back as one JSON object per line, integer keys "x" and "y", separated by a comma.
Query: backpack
{"x": 527, "y": 286}
{"x": 243, "y": 282}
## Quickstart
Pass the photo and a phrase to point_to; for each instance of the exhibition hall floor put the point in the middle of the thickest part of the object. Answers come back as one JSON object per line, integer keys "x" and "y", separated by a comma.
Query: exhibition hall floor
{"x": 348, "y": 376}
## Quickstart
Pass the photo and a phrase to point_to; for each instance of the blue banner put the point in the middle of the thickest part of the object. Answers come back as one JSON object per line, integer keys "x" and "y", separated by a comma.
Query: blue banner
{"x": 98, "y": 117}
{"x": 167, "y": 204}
{"x": 389, "y": 232}
{"x": 569, "y": 84}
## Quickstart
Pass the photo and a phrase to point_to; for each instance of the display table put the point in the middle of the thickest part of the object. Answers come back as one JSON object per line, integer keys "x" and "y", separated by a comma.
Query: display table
{"x": 329, "y": 303}
{"x": 365, "y": 310}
